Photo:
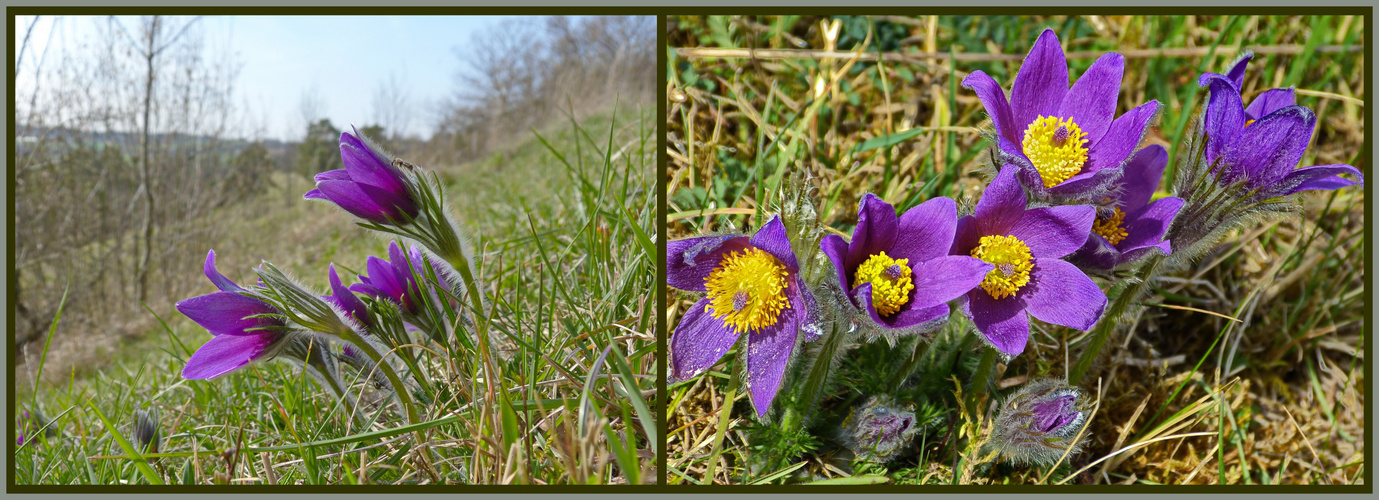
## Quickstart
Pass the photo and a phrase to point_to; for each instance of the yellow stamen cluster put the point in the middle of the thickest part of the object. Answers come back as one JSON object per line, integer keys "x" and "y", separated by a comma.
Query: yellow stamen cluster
{"x": 1056, "y": 147}
{"x": 1012, "y": 260}
{"x": 1112, "y": 228}
{"x": 1247, "y": 123}
{"x": 890, "y": 282}
{"x": 747, "y": 290}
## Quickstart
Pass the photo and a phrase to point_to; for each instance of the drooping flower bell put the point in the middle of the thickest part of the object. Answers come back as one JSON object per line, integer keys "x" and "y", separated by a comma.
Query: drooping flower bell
{"x": 1024, "y": 247}
{"x": 370, "y": 186}
{"x": 1067, "y": 145}
{"x": 896, "y": 271}
{"x": 1130, "y": 226}
{"x": 879, "y": 429}
{"x": 1040, "y": 422}
{"x": 245, "y": 328}
{"x": 752, "y": 287}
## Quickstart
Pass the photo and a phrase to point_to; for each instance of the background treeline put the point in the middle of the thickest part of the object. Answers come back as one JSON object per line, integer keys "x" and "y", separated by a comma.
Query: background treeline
{"x": 133, "y": 148}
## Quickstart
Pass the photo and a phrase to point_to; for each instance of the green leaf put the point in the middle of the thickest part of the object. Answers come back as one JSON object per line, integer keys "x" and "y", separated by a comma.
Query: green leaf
{"x": 139, "y": 462}
{"x": 873, "y": 479}
{"x": 887, "y": 140}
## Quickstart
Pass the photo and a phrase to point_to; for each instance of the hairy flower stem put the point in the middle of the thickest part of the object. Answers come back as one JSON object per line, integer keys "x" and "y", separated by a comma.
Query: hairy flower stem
{"x": 400, "y": 390}
{"x": 986, "y": 368}
{"x": 921, "y": 349}
{"x": 1111, "y": 319}
{"x": 812, "y": 389}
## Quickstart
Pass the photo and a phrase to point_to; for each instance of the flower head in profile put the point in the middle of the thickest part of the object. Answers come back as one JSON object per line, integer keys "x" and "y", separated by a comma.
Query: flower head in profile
{"x": 1040, "y": 422}
{"x": 394, "y": 280}
{"x": 1131, "y": 227}
{"x": 896, "y": 271}
{"x": 752, "y": 287}
{"x": 343, "y": 299}
{"x": 1262, "y": 144}
{"x": 1027, "y": 279}
{"x": 369, "y": 187}
{"x": 1067, "y": 142}
{"x": 244, "y": 328}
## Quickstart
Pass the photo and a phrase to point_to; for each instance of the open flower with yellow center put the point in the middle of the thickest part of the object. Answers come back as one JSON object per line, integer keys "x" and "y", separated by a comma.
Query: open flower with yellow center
{"x": 1129, "y": 226}
{"x": 1026, "y": 277}
{"x": 752, "y": 286}
{"x": 896, "y": 271}
{"x": 1067, "y": 142}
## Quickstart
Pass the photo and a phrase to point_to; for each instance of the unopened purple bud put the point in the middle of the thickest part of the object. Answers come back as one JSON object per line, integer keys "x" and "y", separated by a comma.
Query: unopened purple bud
{"x": 879, "y": 429}
{"x": 1040, "y": 422}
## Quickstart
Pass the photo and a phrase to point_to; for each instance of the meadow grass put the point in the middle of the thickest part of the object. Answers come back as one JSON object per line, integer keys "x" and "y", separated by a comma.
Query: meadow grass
{"x": 564, "y": 219}
{"x": 874, "y": 104}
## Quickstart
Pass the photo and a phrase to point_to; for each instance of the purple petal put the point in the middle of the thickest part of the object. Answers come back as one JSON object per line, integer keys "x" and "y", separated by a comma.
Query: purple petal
{"x": 367, "y": 166}
{"x": 315, "y": 194}
{"x": 1269, "y": 101}
{"x": 395, "y": 203}
{"x": 1059, "y": 293}
{"x": 768, "y": 355}
{"x": 1041, "y": 82}
{"x": 1224, "y": 116}
{"x": 1237, "y": 72}
{"x": 1097, "y": 253}
{"x": 1163, "y": 248}
{"x": 220, "y": 281}
{"x": 966, "y": 237}
{"x": 1122, "y": 137}
{"x": 994, "y": 100}
{"x": 346, "y": 299}
{"x": 348, "y": 196}
{"x": 226, "y": 353}
{"x": 1053, "y": 232}
{"x": 1321, "y": 177}
{"x": 689, "y": 261}
{"x": 926, "y": 230}
{"x": 906, "y": 317}
{"x": 836, "y": 249}
{"x": 1002, "y": 321}
{"x": 875, "y": 231}
{"x": 1271, "y": 147}
{"x": 226, "y": 313}
{"x": 1001, "y": 205}
{"x": 946, "y": 278}
{"x": 700, "y": 340}
{"x": 1087, "y": 183}
{"x": 382, "y": 277}
{"x": 367, "y": 288}
{"x": 338, "y": 174}
{"x": 1142, "y": 175}
{"x": 1091, "y": 103}
{"x": 1147, "y": 225}
{"x": 771, "y": 237}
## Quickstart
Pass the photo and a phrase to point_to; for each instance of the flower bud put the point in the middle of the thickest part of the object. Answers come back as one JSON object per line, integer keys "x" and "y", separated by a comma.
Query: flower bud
{"x": 1040, "y": 422}
{"x": 879, "y": 429}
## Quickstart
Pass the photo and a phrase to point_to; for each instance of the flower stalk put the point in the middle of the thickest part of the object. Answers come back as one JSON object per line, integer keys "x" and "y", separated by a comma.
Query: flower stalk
{"x": 1111, "y": 319}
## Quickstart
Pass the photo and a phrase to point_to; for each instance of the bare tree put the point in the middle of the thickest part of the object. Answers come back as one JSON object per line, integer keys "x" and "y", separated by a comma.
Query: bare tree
{"x": 392, "y": 106}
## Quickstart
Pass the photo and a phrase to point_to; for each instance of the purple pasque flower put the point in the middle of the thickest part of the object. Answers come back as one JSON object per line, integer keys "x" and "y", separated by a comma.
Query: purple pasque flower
{"x": 244, "y": 328}
{"x": 896, "y": 271}
{"x": 1262, "y": 144}
{"x": 369, "y": 187}
{"x": 393, "y": 279}
{"x": 1130, "y": 226}
{"x": 752, "y": 287}
{"x": 1064, "y": 140}
{"x": 1024, "y": 246}
{"x": 1039, "y": 422}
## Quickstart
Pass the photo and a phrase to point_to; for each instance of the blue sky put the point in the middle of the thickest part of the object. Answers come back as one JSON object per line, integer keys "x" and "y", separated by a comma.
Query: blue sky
{"x": 344, "y": 58}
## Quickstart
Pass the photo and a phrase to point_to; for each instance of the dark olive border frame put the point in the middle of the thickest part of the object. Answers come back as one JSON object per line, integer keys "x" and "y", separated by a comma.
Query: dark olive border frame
{"x": 11, "y": 12}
